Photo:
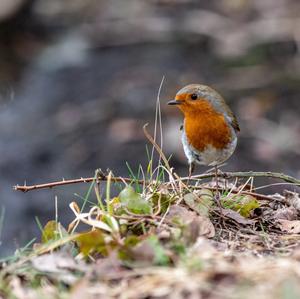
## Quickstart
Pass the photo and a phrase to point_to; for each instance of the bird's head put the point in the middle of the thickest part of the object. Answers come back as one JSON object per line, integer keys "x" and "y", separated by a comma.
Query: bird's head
{"x": 197, "y": 98}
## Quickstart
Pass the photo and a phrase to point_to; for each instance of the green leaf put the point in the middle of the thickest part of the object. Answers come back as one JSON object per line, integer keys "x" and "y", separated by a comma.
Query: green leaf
{"x": 179, "y": 247}
{"x": 128, "y": 194}
{"x": 160, "y": 256}
{"x": 53, "y": 231}
{"x": 131, "y": 241}
{"x": 139, "y": 206}
{"x": 125, "y": 252}
{"x": 134, "y": 201}
{"x": 200, "y": 202}
{"x": 111, "y": 222}
{"x": 144, "y": 252}
{"x": 92, "y": 241}
{"x": 162, "y": 199}
{"x": 243, "y": 204}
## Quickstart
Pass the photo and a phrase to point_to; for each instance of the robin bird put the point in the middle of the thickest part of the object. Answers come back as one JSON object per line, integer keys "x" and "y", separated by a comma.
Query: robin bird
{"x": 210, "y": 128}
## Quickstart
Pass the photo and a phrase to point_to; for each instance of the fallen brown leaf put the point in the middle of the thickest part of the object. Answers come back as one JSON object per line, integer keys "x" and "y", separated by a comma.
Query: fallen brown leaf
{"x": 200, "y": 202}
{"x": 60, "y": 265}
{"x": 292, "y": 199}
{"x": 237, "y": 217}
{"x": 106, "y": 268}
{"x": 286, "y": 214}
{"x": 291, "y": 227}
{"x": 196, "y": 225}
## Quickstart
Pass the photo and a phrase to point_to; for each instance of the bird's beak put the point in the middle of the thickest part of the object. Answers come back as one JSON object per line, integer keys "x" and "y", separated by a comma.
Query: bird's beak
{"x": 175, "y": 102}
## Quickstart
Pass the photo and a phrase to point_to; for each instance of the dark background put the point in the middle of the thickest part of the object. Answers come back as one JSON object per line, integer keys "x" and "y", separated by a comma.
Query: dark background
{"x": 78, "y": 79}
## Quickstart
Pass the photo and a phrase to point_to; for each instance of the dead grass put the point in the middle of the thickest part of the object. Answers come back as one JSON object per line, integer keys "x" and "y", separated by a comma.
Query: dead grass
{"x": 173, "y": 242}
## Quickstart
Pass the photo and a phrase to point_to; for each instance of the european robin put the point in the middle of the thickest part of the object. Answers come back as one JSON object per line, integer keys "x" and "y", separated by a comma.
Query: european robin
{"x": 209, "y": 132}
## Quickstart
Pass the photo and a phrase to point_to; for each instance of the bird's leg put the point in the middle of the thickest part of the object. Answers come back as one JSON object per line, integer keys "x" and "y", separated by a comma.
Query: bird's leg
{"x": 217, "y": 181}
{"x": 191, "y": 170}
{"x": 218, "y": 195}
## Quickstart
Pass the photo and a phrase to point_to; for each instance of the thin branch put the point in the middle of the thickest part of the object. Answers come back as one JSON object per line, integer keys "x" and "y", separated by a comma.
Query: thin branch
{"x": 247, "y": 174}
{"x": 102, "y": 177}
{"x": 26, "y": 188}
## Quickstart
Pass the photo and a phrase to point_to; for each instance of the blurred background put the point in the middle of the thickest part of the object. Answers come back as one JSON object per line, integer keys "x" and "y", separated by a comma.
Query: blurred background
{"x": 79, "y": 79}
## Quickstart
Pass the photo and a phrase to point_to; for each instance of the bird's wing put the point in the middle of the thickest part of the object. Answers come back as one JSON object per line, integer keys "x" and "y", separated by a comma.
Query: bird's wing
{"x": 233, "y": 120}
{"x": 232, "y": 117}
{"x": 235, "y": 123}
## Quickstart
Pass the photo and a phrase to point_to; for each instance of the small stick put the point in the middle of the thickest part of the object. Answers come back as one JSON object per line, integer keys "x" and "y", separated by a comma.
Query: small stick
{"x": 229, "y": 175}
{"x": 26, "y": 188}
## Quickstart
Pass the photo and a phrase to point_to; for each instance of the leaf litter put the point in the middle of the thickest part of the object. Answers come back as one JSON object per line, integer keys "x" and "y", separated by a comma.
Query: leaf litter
{"x": 168, "y": 241}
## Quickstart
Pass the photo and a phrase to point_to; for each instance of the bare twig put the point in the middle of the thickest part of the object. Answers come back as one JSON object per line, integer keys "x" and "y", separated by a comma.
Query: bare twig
{"x": 26, "y": 188}
{"x": 229, "y": 175}
{"x": 102, "y": 177}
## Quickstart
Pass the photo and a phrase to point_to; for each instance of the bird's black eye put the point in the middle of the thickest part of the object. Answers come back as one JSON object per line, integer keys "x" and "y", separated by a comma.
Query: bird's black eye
{"x": 194, "y": 96}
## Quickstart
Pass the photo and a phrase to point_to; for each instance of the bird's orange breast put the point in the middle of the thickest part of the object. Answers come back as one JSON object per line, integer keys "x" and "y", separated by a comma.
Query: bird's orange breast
{"x": 206, "y": 127}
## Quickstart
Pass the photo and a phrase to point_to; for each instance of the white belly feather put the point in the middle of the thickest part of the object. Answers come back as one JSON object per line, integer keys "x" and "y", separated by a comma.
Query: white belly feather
{"x": 210, "y": 156}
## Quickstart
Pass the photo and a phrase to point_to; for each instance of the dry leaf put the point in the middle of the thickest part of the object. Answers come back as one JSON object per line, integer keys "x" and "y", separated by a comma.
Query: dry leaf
{"x": 200, "y": 202}
{"x": 291, "y": 227}
{"x": 60, "y": 265}
{"x": 292, "y": 199}
{"x": 79, "y": 290}
{"x": 150, "y": 251}
{"x": 196, "y": 225}
{"x": 104, "y": 268}
{"x": 87, "y": 218}
{"x": 286, "y": 214}
{"x": 237, "y": 217}
{"x": 180, "y": 213}
{"x": 204, "y": 225}
{"x": 17, "y": 288}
